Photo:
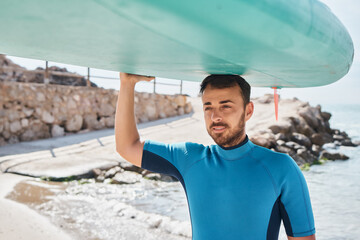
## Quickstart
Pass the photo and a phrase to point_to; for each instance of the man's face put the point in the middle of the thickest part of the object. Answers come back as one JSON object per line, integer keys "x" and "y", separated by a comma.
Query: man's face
{"x": 225, "y": 115}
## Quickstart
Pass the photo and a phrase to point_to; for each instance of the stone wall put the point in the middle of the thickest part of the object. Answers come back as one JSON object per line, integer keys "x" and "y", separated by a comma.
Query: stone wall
{"x": 30, "y": 111}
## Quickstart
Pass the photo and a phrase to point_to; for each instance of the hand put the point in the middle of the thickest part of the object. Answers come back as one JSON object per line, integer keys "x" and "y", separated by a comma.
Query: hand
{"x": 133, "y": 78}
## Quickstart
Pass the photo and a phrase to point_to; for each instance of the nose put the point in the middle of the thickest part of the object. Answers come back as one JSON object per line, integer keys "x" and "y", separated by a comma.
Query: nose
{"x": 215, "y": 116}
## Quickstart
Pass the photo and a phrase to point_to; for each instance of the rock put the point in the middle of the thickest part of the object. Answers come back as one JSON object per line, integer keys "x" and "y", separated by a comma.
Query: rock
{"x": 96, "y": 172}
{"x": 6, "y": 134}
{"x": 338, "y": 137}
{"x": 308, "y": 114}
{"x": 303, "y": 128}
{"x": 265, "y": 99}
{"x": 57, "y": 131}
{"x": 12, "y": 115}
{"x": 294, "y": 145}
{"x": 321, "y": 138}
{"x": 113, "y": 171}
{"x": 280, "y": 142}
{"x": 27, "y": 111}
{"x": 283, "y": 127}
{"x": 348, "y": 142}
{"x": 299, "y": 160}
{"x": 126, "y": 177}
{"x": 40, "y": 97}
{"x": 47, "y": 117}
{"x": 130, "y": 167}
{"x": 106, "y": 110}
{"x": 285, "y": 149}
{"x": 100, "y": 178}
{"x": 1, "y": 125}
{"x": 74, "y": 124}
{"x": 281, "y": 136}
{"x": 153, "y": 176}
{"x": 325, "y": 115}
{"x": 15, "y": 126}
{"x": 151, "y": 112}
{"x": 180, "y": 100}
{"x": 333, "y": 156}
{"x": 316, "y": 149}
{"x": 91, "y": 122}
{"x": 181, "y": 111}
{"x": 188, "y": 108}
{"x": 71, "y": 104}
{"x": 306, "y": 155}
{"x": 24, "y": 123}
{"x": 167, "y": 178}
{"x": 264, "y": 139}
{"x": 301, "y": 139}
{"x": 110, "y": 121}
{"x": 2, "y": 141}
{"x": 13, "y": 139}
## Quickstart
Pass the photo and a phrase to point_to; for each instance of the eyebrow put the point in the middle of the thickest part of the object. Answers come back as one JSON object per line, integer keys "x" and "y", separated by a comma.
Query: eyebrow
{"x": 221, "y": 102}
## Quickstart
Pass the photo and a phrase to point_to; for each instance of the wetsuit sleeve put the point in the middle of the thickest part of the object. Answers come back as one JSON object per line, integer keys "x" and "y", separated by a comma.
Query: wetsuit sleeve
{"x": 164, "y": 158}
{"x": 295, "y": 205}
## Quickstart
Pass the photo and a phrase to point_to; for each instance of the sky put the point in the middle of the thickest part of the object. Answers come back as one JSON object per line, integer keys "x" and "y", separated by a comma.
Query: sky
{"x": 346, "y": 90}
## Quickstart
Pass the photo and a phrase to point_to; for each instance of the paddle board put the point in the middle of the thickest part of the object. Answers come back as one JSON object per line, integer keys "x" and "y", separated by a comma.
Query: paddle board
{"x": 277, "y": 43}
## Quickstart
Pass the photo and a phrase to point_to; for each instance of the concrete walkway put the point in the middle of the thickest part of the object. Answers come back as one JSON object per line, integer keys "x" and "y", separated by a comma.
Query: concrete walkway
{"x": 78, "y": 154}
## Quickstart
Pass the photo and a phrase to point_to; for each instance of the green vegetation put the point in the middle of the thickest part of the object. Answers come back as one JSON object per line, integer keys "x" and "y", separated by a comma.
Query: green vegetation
{"x": 306, "y": 166}
{"x": 52, "y": 179}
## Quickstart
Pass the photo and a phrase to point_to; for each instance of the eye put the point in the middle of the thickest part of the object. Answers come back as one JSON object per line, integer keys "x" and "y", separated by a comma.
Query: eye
{"x": 207, "y": 108}
{"x": 226, "y": 106}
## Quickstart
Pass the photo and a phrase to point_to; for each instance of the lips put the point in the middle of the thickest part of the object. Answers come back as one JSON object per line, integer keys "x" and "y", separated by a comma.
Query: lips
{"x": 218, "y": 128}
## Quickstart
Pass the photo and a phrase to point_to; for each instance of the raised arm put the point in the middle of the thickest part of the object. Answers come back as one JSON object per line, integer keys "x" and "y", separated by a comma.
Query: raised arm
{"x": 127, "y": 138}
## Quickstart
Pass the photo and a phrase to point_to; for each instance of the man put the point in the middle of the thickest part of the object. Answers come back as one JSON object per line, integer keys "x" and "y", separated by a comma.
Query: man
{"x": 235, "y": 189}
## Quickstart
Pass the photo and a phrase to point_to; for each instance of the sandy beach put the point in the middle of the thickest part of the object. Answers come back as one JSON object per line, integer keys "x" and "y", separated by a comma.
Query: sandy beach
{"x": 17, "y": 221}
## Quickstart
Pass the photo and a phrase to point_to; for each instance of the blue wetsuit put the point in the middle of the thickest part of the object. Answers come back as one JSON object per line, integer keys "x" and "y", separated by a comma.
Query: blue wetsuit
{"x": 241, "y": 192}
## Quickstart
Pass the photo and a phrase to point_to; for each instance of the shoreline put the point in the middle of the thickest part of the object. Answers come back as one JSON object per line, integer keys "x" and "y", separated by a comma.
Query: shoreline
{"x": 18, "y": 221}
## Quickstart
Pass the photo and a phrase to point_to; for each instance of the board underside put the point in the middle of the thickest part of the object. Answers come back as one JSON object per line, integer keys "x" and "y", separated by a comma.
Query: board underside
{"x": 278, "y": 43}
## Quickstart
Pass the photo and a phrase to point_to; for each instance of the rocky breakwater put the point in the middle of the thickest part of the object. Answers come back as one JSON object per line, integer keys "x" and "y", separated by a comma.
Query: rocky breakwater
{"x": 302, "y": 132}
{"x": 30, "y": 111}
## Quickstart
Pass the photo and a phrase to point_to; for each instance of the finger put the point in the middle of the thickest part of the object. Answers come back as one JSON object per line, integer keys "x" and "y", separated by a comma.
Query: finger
{"x": 146, "y": 78}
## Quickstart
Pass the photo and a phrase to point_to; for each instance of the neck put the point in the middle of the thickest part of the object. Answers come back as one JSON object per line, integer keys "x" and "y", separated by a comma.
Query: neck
{"x": 238, "y": 142}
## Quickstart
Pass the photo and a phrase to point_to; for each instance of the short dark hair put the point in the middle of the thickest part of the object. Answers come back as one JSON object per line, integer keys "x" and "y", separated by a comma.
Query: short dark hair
{"x": 225, "y": 81}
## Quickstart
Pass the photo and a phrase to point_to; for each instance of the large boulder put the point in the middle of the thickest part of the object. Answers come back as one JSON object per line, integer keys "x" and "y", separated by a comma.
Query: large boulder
{"x": 333, "y": 156}
{"x": 321, "y": 138}
{"x": 282, "y": 127}
{"x": 57, "y": 131}
{"x": 74, "y": 124}
{"x": 301, "y": 139}
{"x": 264, "y": 139}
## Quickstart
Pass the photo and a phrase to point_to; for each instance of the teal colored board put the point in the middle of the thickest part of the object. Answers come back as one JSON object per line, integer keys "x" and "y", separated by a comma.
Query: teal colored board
{"x": 282, "y": 43}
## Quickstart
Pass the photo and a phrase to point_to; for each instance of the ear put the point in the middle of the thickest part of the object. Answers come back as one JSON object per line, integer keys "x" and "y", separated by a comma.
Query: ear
{"x": 249, "y": 110}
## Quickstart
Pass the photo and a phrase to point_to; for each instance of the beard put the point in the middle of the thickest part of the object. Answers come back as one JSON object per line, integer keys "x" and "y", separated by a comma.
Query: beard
{"x": 231, "y": 137}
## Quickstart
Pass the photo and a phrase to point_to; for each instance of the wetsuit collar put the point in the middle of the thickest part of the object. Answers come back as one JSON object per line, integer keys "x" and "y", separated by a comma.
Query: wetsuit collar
{"x": 234, "y": 152}
{"x": 246, "y": 139}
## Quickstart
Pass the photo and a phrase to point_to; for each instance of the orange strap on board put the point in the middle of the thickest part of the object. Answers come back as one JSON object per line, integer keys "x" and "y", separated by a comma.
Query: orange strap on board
{"x": 276, "y": 102}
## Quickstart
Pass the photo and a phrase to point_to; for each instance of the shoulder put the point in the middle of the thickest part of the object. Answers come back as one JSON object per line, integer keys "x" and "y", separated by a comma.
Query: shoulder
{"x": 275, "y": 161}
